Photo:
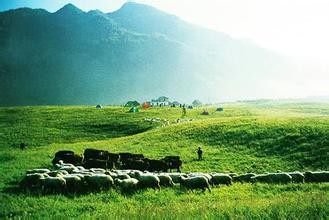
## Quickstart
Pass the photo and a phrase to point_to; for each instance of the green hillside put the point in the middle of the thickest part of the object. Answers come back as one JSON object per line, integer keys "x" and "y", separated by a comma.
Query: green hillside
{"x": 246, "y": 137}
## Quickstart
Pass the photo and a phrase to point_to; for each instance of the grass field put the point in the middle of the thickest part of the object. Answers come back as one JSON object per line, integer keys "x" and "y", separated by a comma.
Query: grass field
{"x": 246, "y": 137}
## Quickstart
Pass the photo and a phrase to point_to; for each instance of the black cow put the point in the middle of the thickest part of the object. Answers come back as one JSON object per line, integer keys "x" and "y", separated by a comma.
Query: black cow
{"x": 128, "y": 156}
{"x": 158, "y": 165}
{"x": 95, "y": 163}
{"x": 64, "y": 153}
{"x": 95, "y": 154}
{"x": 114, "y": 157}
{"x": 67, "y": 157}
{"x": 174, "y": 162}
{"x": 135, "y": 164}
{"x": 113, "y": 160}
{"x": 125, "y": 156}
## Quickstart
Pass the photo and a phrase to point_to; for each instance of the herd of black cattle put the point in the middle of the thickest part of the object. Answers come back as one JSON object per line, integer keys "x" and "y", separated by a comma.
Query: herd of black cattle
{"x": 103, "y": 159}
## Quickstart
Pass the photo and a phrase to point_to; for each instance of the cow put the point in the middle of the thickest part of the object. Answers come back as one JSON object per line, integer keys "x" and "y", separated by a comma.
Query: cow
{"x": 157, "y": 165}
{"x": 95, "y": 154}
{"x": 135, "y": 164}
{"x": 174, "y": 162}
{"x": 95, "y": 163}
{"x": 67, "y": 157}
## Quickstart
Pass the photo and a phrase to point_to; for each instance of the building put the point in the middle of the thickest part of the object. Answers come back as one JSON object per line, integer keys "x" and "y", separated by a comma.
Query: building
{"x": 132, "y": 104}
{"x": 175, "y": 104}
{"x": 161, "y": 101}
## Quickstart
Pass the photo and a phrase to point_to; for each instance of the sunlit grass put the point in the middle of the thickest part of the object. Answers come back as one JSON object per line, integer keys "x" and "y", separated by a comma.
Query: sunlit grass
{"x": 243, "y": 138}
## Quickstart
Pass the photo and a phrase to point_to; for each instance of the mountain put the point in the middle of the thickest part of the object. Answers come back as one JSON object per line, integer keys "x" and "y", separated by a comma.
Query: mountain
{"x": 136, "y": 52}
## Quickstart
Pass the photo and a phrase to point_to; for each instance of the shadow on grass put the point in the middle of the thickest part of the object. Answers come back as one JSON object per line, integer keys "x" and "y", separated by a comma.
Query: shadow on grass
{"x": 114, "y": 129}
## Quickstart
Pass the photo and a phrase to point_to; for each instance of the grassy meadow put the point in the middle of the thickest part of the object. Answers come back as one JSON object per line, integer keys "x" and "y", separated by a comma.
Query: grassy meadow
{"x": 246, "y": 137}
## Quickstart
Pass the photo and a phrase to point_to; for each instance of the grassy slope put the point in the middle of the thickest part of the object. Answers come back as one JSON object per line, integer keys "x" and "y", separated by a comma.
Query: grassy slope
{"x": 246, "y": 137}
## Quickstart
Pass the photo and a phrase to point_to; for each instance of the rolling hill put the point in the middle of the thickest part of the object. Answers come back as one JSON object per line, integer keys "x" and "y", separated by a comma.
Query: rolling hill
{"x": 246, "y": 137}
{"x": 137, "y": 52}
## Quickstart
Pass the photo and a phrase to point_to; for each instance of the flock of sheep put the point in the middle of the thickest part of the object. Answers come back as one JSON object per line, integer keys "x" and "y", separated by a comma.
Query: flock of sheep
{"x": 99, "y": 170}
{"x": 68, "y": 178}
{"x": 166, "y": 122}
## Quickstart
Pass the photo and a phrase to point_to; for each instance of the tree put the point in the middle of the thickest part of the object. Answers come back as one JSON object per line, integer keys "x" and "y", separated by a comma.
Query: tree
{"x": 196, "y": 103}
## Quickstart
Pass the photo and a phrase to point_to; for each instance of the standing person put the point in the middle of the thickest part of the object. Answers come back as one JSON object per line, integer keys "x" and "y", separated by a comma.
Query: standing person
{"x": 200, "y": 152}
{"x": 22, "y": 146}
{"x": 184, "y": 111}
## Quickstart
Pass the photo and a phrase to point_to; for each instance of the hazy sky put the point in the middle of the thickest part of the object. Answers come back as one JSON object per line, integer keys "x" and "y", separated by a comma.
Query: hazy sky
{"x": 298, "y": 28}
{"x": 295, "y": 28}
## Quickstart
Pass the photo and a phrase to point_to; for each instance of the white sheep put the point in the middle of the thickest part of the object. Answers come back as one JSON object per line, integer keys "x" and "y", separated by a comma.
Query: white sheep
{"x": 208, "y": 176}
{"x": 195, "y": 182}
{"x": 148, "y": 180}
{"x": 297, "y": 177}
{"x": 221, "y": 178}
{"x": 55, "y": 173}
{"x": 134, "y": 173}
{"x": 176, "y": 176}
{"x": 244, "y": 177}
{"x": 97, "y": 170}
{"x": 32, "y": 181}
{"x": 165, "y": 180}
{"x": 98, "y": 181}
{"x": 121, "y": 176}
{"x": 272, "y": 178}
{"x": 127, "y": 185}
{"x": 53, "y": 184}
{"x": 73, "y": 182}
{"x": 317, "y": 177}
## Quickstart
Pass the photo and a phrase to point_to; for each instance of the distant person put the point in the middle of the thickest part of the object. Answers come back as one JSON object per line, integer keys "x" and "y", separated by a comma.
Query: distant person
{"x": 22, "y": 146}
{"x": 200, "y": 152}
{"x": 184, "y": 111}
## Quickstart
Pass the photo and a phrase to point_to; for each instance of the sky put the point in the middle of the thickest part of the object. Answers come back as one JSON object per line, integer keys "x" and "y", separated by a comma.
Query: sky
{"x": 298, "y": 29}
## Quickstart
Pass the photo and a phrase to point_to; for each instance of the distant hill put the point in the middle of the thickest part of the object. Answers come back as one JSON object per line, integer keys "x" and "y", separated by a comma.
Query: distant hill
{"x": 137, "y": 52}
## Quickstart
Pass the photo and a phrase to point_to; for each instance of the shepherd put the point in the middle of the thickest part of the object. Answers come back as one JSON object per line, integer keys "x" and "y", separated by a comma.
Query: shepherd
{"x": 199, "y": 153}
{"x": 22, "y": 146}
{"x": 184, "y": 112}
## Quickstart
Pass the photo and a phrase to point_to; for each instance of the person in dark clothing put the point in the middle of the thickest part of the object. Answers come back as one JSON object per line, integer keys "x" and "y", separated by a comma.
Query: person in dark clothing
{"x": 22, "y": 146}
{"x": 184, "y": 111}
{"x": 200, "y": 152}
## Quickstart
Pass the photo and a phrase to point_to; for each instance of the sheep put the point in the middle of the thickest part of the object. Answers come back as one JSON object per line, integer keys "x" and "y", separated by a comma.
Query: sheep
{"x": 297, "y": 177}
{"x": 57, "y": 173}
{"x": 68, "y": 168}
{"x": 37, "y": 171}
{"x": 148, "y": 180}
{"x": 176, "y": 176}
{"x": 317, "y": 177}
{"x": 134, "y": 173}
{"x": 219, "y": 178}
{"x": 244, "y": 177}
{"x": 73, "y": 182}
{"x": 165, "y": 180}
{"x": 122, "y": 176}
{"x": 232, "y": 174}
{"x": 97, "y": 170}
{"x": 127, "y": 185}
{"x": 195, "y": 182}
{"x": 208, "y": 176}
{"x": 31, "y": 181}
{"x": 98, "y": 181}
{"x": 53, "y": 184}
{"x": 60, "y": 163}
{"x": 81, "y": 168}
{"x": 272, "y": 178}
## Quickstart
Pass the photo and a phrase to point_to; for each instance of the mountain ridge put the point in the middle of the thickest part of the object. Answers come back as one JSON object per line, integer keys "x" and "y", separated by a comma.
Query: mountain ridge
{"x": 76, "y": 57}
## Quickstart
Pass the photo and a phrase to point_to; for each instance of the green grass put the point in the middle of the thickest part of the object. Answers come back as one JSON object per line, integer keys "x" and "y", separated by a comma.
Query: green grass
{"x": 246, "y": 137}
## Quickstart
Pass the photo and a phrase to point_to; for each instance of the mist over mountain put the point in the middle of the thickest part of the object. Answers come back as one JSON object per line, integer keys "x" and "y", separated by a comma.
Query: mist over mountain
{"x": 136, "y": 52}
